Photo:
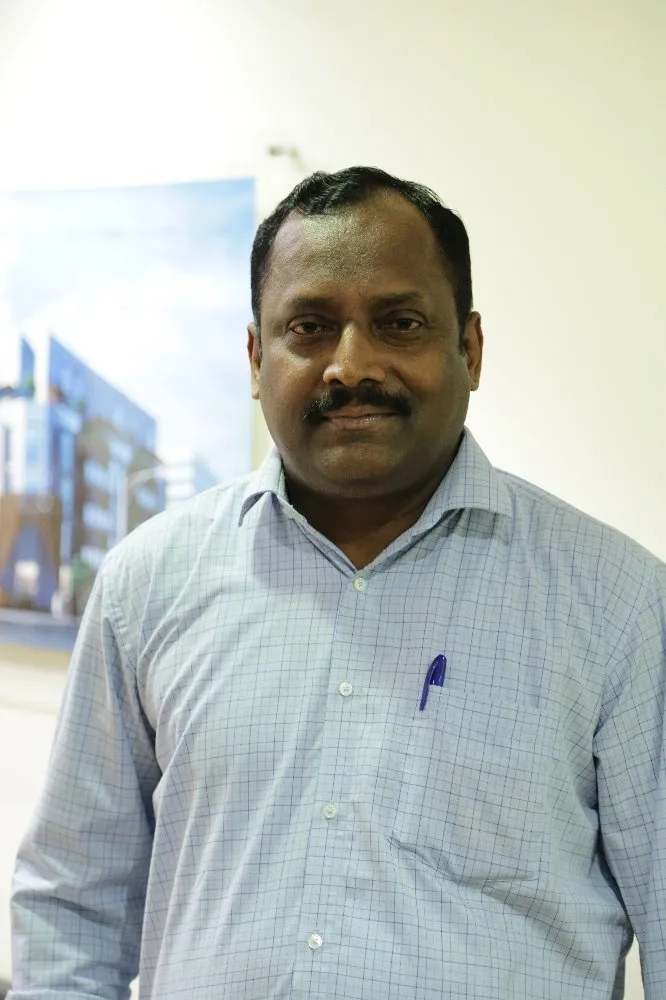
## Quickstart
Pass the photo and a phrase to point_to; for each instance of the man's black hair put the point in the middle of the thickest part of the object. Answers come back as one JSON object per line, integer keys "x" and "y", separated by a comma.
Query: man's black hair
{"x": 322, "y": 194}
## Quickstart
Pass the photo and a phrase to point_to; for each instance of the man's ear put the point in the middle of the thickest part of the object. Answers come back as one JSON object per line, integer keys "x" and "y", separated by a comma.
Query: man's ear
{"x": 254, "y": 354}
{"x": 474, "y": 349}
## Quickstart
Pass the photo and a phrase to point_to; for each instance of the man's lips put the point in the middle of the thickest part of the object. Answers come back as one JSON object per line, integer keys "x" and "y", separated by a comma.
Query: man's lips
{"x": 358, "y": 418}
{"x": 360, "y": 411}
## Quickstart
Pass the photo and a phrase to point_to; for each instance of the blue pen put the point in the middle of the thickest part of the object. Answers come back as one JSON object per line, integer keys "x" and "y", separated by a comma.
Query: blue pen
{"x": 435, "y": 675}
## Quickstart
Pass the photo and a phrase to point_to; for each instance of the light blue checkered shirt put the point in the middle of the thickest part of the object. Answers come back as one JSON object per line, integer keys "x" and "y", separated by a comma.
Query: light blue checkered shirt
{"x": 245, "y": 800}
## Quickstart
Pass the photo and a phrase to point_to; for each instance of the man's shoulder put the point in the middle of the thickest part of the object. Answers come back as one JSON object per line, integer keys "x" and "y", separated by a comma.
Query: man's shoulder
{"x": 179, "y": 533}
{"x": 592, "y": 544}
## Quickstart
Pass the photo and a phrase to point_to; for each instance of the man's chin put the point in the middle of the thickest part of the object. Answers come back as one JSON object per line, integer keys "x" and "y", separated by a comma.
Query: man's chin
{"x": 363, "y": 468}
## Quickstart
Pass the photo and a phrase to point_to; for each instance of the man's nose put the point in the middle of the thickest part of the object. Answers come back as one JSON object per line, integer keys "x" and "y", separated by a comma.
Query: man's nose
{"x": 357, "y": 355}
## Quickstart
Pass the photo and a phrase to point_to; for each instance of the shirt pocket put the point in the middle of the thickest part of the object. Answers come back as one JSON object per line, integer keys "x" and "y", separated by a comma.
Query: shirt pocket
{"x": 476, "y": 774}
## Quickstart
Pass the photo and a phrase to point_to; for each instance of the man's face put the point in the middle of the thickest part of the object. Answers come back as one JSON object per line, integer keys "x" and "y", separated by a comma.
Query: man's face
{"x": 358, "y": 318}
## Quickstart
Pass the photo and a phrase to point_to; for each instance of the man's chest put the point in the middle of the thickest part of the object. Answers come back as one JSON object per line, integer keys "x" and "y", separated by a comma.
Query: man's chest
{"x": 320, "y": 685}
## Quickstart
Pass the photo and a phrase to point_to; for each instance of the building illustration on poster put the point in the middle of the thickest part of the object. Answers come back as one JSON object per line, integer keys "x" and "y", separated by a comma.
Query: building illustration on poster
{"x": 68, "y": 450}
{"x": 82, "y": 461}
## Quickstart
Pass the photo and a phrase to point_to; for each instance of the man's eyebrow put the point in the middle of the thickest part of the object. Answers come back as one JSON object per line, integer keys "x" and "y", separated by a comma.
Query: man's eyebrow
{"x": 315, "y": 302}
{"x": 308, "y": 303}
{"x": 399, "y": 299}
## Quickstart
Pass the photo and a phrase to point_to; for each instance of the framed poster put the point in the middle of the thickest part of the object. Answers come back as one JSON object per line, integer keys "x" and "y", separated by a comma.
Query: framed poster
{"x": 124, "y": 381}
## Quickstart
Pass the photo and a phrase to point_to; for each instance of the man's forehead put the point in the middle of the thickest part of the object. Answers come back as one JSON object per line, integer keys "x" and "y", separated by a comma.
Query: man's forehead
{"x": 301, "y": 299}
{"x": 373, "y": 216}
{"x": 390, "y": 232}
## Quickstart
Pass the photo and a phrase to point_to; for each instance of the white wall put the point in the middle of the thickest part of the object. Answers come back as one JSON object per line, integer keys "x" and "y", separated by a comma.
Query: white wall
{"x": 541, "y": 122}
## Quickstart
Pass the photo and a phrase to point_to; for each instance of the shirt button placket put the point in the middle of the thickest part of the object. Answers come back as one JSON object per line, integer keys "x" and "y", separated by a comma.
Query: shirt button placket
{"x": 330, "y": 810}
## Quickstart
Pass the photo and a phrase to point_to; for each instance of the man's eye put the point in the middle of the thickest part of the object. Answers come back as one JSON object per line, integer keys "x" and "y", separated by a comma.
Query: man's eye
{"x": 405, "y": 324}
{"x": 307, "y": 328}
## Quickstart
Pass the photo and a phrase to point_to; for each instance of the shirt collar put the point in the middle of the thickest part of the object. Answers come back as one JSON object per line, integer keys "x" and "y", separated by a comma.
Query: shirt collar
{"x": 471, "y": 482}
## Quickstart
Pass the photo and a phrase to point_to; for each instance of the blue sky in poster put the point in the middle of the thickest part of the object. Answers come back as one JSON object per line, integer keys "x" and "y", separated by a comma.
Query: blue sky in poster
{"x": 149, "y": 286}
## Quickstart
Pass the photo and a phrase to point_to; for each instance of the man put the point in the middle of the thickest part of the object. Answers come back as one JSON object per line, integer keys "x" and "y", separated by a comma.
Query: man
{"x": 377, "y": 721}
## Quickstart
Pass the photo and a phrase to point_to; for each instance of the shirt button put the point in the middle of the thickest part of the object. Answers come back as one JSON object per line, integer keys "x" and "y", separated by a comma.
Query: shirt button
{"x": 315, "y": 941}
{"x": 360, "y": 584}
{"x": 330, "y": 811}
{"x": 345, "y": 689}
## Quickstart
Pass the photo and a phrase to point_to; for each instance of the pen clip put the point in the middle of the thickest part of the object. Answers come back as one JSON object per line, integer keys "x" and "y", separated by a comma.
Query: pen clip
{"x": 435, "y": 675}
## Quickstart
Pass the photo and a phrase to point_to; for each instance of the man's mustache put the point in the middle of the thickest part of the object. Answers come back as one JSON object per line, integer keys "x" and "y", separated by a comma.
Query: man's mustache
{"x": 337, "y": 399}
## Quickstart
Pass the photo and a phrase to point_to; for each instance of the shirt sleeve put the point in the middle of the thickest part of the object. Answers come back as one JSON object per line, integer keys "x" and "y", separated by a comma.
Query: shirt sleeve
{"x": 630, "y": 754}
{"x": 82, "y": 867}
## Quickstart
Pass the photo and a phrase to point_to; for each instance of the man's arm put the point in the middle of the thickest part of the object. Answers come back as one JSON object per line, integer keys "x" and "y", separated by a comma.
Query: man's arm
{"x": 80, "y": 877}
{"x": 630, "y": 751}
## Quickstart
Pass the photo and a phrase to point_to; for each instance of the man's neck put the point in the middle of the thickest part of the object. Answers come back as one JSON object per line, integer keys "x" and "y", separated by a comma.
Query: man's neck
{"x": 361, "y": 528}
